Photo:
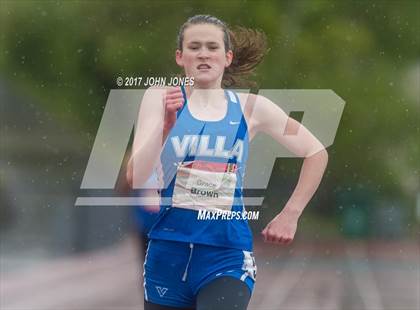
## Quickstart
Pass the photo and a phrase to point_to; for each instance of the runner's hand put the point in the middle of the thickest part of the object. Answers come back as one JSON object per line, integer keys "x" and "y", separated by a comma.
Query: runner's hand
{"x": 173, "y": 101}
{"x": 282, "y": 229}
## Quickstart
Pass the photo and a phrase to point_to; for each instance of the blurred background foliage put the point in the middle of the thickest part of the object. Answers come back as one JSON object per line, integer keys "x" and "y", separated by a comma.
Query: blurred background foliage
{"x": 66, "y": 56}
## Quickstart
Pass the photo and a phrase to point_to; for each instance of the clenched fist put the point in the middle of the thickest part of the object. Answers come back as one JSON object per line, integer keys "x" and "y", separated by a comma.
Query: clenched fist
{"x": 173, "y": 101}
{"x": 282, "y": 229}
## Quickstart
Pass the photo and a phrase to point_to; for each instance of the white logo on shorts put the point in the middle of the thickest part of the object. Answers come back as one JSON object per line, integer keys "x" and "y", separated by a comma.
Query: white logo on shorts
{"x": 161, "y": 290}
{"x": 234, "y": 123}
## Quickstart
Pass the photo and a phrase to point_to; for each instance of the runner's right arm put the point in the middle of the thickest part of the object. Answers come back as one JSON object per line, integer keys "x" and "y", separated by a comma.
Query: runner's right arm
{"x": 157, "y": 115}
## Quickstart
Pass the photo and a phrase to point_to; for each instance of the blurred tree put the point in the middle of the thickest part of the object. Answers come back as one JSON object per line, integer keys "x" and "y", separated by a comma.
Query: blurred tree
{"x": 68, "y": 55}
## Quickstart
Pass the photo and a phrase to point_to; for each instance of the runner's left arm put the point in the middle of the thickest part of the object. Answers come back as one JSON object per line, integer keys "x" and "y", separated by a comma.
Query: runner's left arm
{"x": 267, "y": 117}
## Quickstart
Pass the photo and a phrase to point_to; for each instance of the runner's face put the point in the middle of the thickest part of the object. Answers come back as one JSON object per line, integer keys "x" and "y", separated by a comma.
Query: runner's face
{"x": 204, "y": 56}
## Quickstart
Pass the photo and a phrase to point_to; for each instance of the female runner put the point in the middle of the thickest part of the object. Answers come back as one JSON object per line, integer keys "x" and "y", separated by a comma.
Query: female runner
{"x": 205, "y": 132}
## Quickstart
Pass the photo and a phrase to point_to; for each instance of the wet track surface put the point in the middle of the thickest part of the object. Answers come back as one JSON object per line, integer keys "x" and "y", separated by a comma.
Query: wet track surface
{"x": 304, "y": 276}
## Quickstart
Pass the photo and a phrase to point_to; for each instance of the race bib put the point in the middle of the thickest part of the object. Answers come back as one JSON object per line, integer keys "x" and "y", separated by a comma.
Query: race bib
{"x": 205, "y": 185}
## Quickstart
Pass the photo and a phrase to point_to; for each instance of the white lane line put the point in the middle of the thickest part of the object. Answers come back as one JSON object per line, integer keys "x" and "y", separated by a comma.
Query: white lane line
{"x": 334, "y": 291}
{"x": 363, "y": 277}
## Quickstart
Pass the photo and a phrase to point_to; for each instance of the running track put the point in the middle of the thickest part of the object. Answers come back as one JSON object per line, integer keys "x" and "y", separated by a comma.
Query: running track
{"x": 303, "y": 276}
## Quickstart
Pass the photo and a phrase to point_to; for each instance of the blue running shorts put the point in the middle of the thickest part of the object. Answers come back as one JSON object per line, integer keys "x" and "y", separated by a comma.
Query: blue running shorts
{"x": 174, "y": 271}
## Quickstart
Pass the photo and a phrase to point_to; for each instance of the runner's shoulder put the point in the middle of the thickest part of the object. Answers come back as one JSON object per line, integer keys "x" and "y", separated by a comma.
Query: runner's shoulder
{"x": 249, "y": 101}
{"x": 256, "y": 107}
{"x": 250, "y": 98}
{"x": 152, "y": 99}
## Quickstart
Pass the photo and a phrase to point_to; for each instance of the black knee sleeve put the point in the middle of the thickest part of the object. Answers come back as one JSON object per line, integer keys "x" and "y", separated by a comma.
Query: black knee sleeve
{"x": 224, "y": 293}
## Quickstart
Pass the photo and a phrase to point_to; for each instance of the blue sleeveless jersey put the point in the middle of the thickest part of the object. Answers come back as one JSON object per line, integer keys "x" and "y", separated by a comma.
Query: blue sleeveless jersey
{"x": 218, "y": 144}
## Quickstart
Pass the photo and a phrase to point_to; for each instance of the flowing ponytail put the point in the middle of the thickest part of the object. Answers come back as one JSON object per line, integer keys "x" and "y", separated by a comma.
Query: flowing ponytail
{"x": 249, "y": 47}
